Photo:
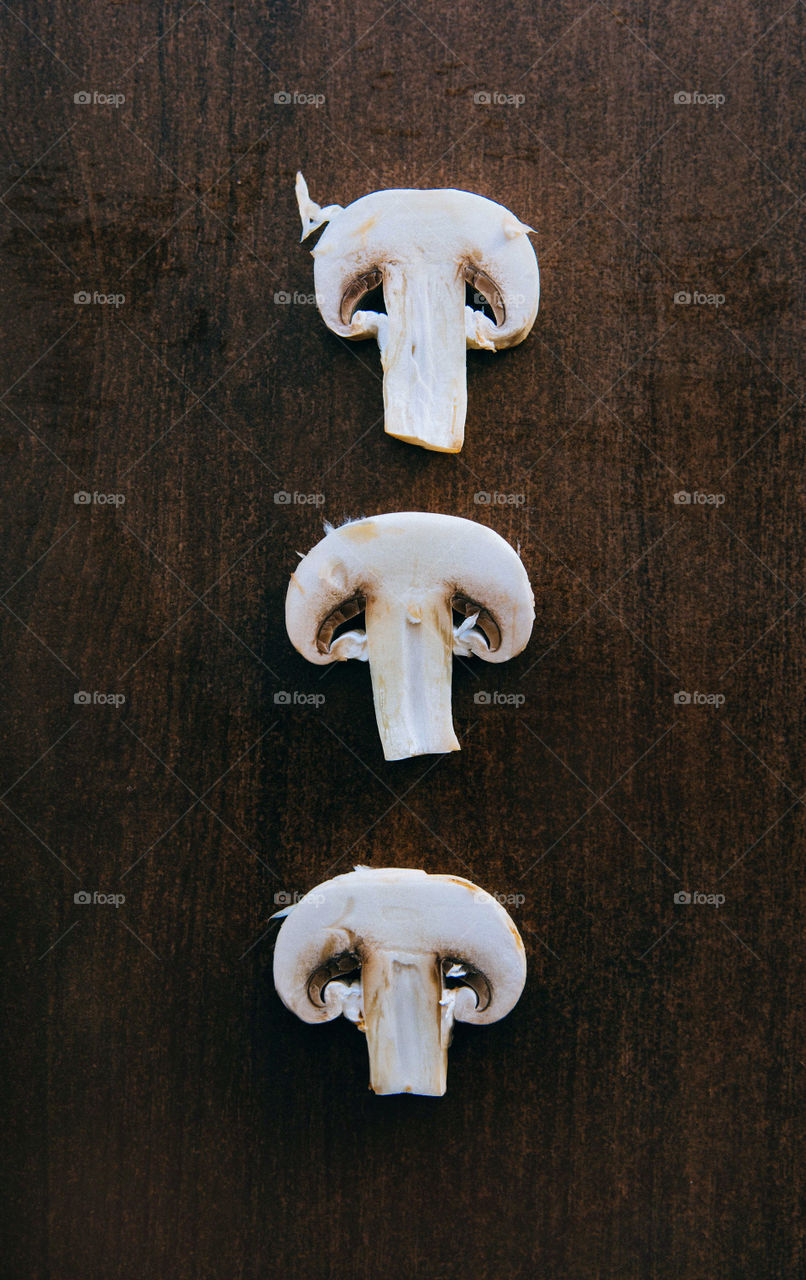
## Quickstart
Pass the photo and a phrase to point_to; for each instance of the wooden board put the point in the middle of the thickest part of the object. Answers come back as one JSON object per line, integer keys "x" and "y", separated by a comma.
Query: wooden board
{"x": 637, "y": 1115}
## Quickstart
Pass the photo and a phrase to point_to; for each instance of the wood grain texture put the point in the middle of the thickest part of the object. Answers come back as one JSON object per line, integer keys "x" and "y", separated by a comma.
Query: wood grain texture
{"x": 638, "y": 1114}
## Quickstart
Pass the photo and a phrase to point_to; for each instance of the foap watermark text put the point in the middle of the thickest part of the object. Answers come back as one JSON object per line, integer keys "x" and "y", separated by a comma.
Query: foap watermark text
{"x": 683, "y": 98}
{"x": 295, "y": 698}
{"x": 83, "y": 498}
{"x": 94, "y": 698}
{"x": 96, "y": 299}
{"x": 283, "y": 498}
{"x": 696, "y": 298}
{"x": 92, "y": 98}
{"x": 496, "y": 699}
{"x": 696, "y": 899}
{"x": 493, "y": 98}
{"x": 685, "y": 699}
{"x": 697, "y": 499}
{"x": 285, "y": 298}
{"x": 291, "y": 897}
{"x": 495, "y": 499}
{"x": 505, "y": 899}
{"x": 293, "y": 98}
{"x": 84, "y": 898}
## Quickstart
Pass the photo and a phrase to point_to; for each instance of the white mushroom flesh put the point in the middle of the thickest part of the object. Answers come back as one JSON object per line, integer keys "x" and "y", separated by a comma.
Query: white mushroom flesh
{"x": 403, "y": 931}
{"x": 409, "y": 570}
{"x": 424, "y": 247}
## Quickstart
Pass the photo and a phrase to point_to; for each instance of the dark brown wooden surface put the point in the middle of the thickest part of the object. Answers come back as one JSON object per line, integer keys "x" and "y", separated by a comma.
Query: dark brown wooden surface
{"x": 638, "y": 1114}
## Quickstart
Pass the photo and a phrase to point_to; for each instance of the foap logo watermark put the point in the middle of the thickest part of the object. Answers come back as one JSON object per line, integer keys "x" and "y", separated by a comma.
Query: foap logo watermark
{"x": 492, "y": 98}
{"x": 496, "y": 699}
{"x": 284, "y": 498}
{"x": 285, "y": 298}
{"x": 295, "y": 698}
{"x": 696, "y": 298}
{"x": 481, "y": 300}
{"x": 496, "y": 499}
{"x": 495, "y": 299}
{"x": 505, "y": 899}
{"x": 291, "y": 898}
{"x": 697, "y": 499}
{"x": 94, "y": 698}
{"x": 83, "y": 498}
{"x": 293, "y": 98}
{"x": 698, "y": 99}
{"x": 85, "y": 899}
{"x": 95, "y": 299}
{"x": 88, "y": 98}
{"x": 685, "y": 899}
{"x": 685, "y": 699}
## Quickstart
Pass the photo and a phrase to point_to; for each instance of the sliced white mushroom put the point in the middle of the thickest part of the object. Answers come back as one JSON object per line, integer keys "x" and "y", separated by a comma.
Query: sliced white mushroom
{"x": 424, "y": 247}
{"x": 409, "y": 572}
{"x": 402, "y": 954}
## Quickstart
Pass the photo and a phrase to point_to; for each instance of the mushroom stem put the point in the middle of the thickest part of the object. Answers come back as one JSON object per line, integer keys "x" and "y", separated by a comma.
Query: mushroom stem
{"x": 423, "y": 348}
{"x": 410, "y": 651}
{"x": 408, "y": 1033}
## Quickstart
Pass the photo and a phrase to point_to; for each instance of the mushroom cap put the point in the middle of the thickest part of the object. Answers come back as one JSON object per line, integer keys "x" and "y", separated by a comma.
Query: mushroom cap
{"x": 398, "y": 909}
{"x": 404, "y": 554}
{"x": 430, "y": 229}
